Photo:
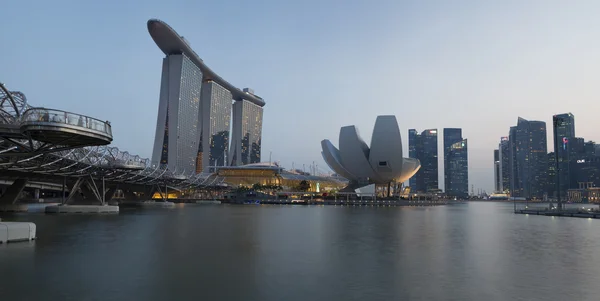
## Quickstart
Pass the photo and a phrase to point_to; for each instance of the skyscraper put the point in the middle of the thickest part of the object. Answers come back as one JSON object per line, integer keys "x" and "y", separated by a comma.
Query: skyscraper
{"x": 458, "y": 170}
{"x": 451, "y": 136}
{"x": 564, "y": 133}
{"x": 216, "y": 116}
{"x": 424, "y": 147}
{"x": 515, "y": 188}
{"x": 531, "y": 159}
{"x": 194, "y": 116}
{"x": 551, "y": 185}
{"x": 497, "y": 172}
{"x": 247, "y": 133}
{"x": 177, "y": 132}
{"x": 504, "y": 154}
{"x": 413, "y": 141}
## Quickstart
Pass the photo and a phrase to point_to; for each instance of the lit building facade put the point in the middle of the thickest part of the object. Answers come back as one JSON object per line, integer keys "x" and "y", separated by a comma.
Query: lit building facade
{"x": 504, "y": 157}
{"x": 424, "y": 147}
{"x": 531, "y": 159}
{"x": 177, "y": 132}
{"x": 413, "y": 139}
{"x": 564, "y": 136}
{"x": 497, "y": 172}
{"x": 451, "y": 136}
{"x": 551, "y": 185}
{"x": 515, "y": 188}
{"x": 247, "y": 133}
{"x": 215, "y": 120}
{"x": 458, "y": 170}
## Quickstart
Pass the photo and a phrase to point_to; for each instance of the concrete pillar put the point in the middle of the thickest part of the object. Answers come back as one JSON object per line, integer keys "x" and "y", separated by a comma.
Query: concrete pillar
{"x": 110, "y": 192}
{"x": 12, "y": 193}
{"x": 89, "y": 195}
{"x": 73, "y": 191}
{"x": 36, "y": 194}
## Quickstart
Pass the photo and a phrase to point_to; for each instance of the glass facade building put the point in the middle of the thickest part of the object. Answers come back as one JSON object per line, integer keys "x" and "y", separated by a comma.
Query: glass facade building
{"x": 177, "y": 132}
{"x": 451, "y": 136}
{"x": 531, "y": 159}
{"x": 215, "y": 120}
{"x": 246, "y": 133}
{"x": 424, "y": 147}
{"x": 585, "y": 172}
{"x": 497, "y": 175}
{"x": 413, "y": 138}
{"x": 458, "y": 170}
{"x": 515, "y": 182}
{"x": 551, "y": 185}
{"x": 564, "y": 135}
{"x": 504, "y": 157}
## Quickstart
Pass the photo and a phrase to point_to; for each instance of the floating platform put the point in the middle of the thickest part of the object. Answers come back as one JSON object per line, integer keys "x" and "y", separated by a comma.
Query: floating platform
{"x": 14, "y": 208}
{"x": 154, "y": 204}
{"x": 16, "y": 231}
{"x": 208, "y": 202}
{"x": 86, "y": 209}
{"x": 30, "y": 208}
{"x": 580, "y": 214}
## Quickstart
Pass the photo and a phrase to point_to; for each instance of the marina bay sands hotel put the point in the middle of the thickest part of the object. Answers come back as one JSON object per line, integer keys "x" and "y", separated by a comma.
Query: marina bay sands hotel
{"x": 195, "y": 112}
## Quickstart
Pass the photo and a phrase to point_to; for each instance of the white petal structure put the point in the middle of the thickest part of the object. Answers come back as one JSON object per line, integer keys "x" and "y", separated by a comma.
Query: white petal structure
{"x": 382, "y": 163}
{"x": 332, "y": 158}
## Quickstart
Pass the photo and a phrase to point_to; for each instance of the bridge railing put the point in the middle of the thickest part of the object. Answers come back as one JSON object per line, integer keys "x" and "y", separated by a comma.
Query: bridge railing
{"x": 34, "y": 115}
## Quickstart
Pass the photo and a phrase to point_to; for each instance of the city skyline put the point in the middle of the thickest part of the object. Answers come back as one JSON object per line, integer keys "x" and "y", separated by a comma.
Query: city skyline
{"x": 500, "y": 61}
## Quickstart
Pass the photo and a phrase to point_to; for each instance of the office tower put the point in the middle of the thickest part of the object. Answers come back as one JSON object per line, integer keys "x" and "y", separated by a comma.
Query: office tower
{"x": 247, "y": 131}
{"x": 194, "y": 115}
{"x": 413, "y": 141}
{"x": 216, "y": 116}
{"x": 177, "y": 132}
{"x": 585, "y": 172}
{"x": 515, "y": 188}
{"x": 424, "y": 147}
{"x": 531, "y": 158}
{"x": 458, "y": 170}
{"x": 564, "y": 133}
{"x": 451, "y": 136}
{"x": 589, "y": 148}
{"x": 597, "y": 150}
{"x": 584, "y": 165}
{"x": 429, "y": 163}
{"x": 497, "y": 172}
{"x": 551, "y": 185}
{"x": 504, "y": 153}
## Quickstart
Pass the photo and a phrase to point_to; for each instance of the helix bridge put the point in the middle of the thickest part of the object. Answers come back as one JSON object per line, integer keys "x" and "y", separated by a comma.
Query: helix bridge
{"x": 43, "y": 142}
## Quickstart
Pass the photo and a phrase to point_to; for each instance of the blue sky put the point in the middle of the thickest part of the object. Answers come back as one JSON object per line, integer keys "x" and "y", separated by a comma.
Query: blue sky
{"x": 319, "y": 65}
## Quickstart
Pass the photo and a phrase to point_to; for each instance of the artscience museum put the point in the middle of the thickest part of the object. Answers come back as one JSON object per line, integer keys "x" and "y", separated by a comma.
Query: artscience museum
{"x": 381, "y": 163}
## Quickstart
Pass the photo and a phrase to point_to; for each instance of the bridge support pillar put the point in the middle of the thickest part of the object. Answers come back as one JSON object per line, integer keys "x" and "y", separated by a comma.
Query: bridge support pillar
{"x": 12, "y": 193}
{"x": 86, "y": 190}
{"x": 149, "y": 191}
{"x": 110, "y": 192}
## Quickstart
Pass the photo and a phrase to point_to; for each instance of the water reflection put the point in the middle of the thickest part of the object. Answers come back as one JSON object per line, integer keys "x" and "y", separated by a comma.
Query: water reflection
{"x": 477, "y": 251}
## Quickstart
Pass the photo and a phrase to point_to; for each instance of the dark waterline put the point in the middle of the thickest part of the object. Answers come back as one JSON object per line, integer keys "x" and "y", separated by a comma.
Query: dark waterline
{"x": 476, "y": 251}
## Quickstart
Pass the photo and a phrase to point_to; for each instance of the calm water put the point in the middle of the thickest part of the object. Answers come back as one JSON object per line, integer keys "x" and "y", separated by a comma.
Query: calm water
{"x": 478, "y": 251}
